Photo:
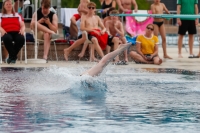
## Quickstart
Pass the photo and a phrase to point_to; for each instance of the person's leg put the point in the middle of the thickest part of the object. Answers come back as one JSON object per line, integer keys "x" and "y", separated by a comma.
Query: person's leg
{"x": 138, "y": 58}
{"x": 164, "y": 43}
{"x": 97, "y": 69}
{"x": 115, "y": 40}
{"x": 97, "y": 47}
{"x": 157, "y": 60}
{"x": 156, "y": 29}
{"x": 43, "y": 28}
{"x": 18, "y": 43}
{"x": 8, "y": 43}
{"x": 74, "y": 45}
{"x": 82, "y": 53}
{"x": 123, "y": 39}
{"x": 180, "y": 44}
{"x": 73, "y": 30}
{"x": 47, "y": 43}
{"x": 191, "y": 41}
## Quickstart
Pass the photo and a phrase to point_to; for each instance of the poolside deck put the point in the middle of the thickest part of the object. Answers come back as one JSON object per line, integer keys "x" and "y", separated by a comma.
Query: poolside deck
{"x": 179, "y": 63}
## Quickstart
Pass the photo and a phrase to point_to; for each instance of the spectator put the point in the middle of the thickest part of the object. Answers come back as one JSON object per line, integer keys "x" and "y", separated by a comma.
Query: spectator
{"x": 47, "y": 24}
{"x": 91, "y": 23}
{"x": 147, "y": 48}
{"x": 12, "y": 30}
{"x": 158, "y": 8}
{"x": 125, "y": 6}
{"x": 186, "y": 24}
{"x": 115, "y": 28}
{"x": 106, "y": 5}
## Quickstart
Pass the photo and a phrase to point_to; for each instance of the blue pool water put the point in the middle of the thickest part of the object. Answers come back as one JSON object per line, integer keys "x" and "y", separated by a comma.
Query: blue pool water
{"x": 121, "y": 100}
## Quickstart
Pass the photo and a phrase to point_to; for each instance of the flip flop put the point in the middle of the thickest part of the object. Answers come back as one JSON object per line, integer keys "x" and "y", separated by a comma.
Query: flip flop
{"x": 193, "y": 56}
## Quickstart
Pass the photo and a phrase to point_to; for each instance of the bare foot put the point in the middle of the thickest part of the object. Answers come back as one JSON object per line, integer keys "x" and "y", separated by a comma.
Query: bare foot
{"x": 81, "y": 55}
{"x": 167, "y": 57}
{"x": 180, "y": 56}
{"x": 160, "y": 61}
{"x": 66, "y": 54}
{"x": 94, "y": 60}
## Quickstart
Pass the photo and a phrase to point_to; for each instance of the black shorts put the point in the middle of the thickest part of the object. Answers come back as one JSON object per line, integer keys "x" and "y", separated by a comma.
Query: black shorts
{"x": 109, "y": 42}
{"x": 187, "y": 25}
{"x": 90, "y": 37}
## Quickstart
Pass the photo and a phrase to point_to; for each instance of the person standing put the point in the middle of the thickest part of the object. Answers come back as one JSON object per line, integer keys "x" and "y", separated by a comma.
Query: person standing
{"x": 157, "y": 8}
{"x": 186, "y": 24}
{"x": 126, "y": 5}
{"x": 106, "y": 5}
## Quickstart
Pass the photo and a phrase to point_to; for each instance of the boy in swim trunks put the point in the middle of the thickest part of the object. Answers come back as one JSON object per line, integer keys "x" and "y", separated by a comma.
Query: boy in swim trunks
{"x": 115, "y": 28}
{"x": 158, "y": 8}
{"x": 90, "y": 23}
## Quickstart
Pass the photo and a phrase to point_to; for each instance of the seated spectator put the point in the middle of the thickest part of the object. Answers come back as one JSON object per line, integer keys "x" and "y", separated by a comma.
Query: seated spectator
{"x": 47, "y": 24}
{"x": 12, "y": 30}
{"x": 82, "y": 38}
{"x": 108, "y": 17}
{"x": 147, "y": 48}
{"x": 91, "y": 23}
{"x": 106, "y": 5}
{"x": 115, "y": 28}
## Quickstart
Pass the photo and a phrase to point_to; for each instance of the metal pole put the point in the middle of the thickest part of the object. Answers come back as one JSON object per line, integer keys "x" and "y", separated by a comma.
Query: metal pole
{"x": 36, "y": 51}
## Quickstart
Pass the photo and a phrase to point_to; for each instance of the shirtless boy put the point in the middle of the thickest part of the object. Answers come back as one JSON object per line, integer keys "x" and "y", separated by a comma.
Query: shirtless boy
{"x": 126, "y": 5}
{"x": 90, "y": 23}
{"x": 115, "y": 28}
{"x": 158, "y": 8}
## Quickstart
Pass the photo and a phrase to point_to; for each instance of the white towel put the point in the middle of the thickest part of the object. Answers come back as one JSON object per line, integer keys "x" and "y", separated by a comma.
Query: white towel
{"x": 66, "y": 14}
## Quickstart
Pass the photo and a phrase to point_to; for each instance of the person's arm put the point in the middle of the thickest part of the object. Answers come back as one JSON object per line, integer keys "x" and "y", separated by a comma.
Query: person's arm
{"x": 22, "y": 28}
{"x": 103, "y": 29}
{"x": 178, "y": 12}
{"x": 196, "y": 12}
{"x": 108, "y": 27}
{"x": 120, "y": 30}
{"x": 138, "y": 49}
{"x": 82, "y": 8}
{"x": 73, "y": 20}
{"x": 54, "y": 25}
{"x": 135, "y": 5}
{"x": 2, "y": 30}
{"x": 155, "y": 51}
{"x": 114, "y": 4}
{"x": 101, "y": 2}
{"x": 165, "y": 9}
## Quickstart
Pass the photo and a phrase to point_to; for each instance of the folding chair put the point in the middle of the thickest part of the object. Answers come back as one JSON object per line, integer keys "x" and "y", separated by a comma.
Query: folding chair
{"x": 25, "y": 51}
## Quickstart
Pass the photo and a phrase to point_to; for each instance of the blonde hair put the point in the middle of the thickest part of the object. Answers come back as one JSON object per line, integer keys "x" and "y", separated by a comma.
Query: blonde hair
{"x": 114, "y": 12}
{"x": 91, "y": 4}
{"x": 4, "y": 10}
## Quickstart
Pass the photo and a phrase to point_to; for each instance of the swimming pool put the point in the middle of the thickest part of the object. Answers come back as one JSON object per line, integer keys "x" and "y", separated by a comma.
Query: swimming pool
{"x": 121, "y": 100}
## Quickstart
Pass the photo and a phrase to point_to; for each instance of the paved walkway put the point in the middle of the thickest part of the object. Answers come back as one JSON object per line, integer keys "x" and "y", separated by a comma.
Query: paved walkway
{"x": 179, "y": 63}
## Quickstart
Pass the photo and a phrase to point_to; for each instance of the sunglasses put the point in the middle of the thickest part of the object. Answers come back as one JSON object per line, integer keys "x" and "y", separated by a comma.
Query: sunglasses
{"x": 150, "y": 28}
{"x": 91, "y": 8}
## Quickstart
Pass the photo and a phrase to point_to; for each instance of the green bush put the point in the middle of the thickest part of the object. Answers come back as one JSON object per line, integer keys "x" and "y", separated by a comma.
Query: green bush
{"x": 142, "y": 4}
